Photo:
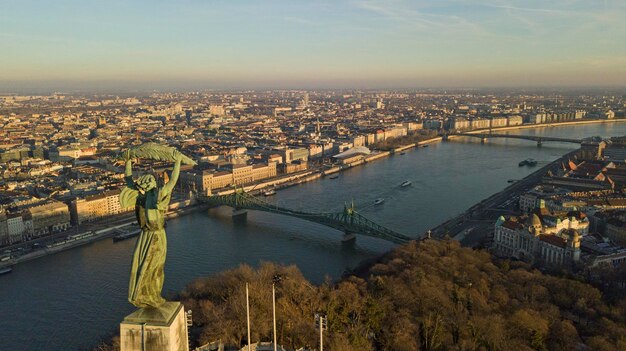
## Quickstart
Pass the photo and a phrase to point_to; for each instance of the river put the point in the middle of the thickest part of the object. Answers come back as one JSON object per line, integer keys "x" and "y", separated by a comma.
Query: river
{"x": 73, "y": 299}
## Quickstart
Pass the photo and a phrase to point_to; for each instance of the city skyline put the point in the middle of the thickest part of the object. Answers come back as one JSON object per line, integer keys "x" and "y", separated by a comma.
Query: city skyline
{"x": 280, "y": 44}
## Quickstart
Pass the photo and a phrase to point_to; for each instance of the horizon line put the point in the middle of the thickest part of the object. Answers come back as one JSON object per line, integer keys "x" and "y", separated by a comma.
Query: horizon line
{"x": 8, "y": 87}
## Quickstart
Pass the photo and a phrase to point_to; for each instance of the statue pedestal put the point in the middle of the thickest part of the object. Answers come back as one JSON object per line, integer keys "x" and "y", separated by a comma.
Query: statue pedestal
{"x": 155, "y": 329}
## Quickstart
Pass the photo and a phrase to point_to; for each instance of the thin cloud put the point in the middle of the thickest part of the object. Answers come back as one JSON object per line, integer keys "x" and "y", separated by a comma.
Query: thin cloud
{"x": 419, "y": 20}
{"x": 300, "y": 20}
{"x": 530, "y": 9}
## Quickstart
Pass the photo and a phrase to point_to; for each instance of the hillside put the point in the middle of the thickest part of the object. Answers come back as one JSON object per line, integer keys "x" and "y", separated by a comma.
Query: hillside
{"x": 429, "y": 295}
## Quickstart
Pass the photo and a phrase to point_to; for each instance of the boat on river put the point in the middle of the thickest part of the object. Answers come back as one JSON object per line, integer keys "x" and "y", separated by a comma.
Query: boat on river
{"x": 528, "y": 162}
{"x": 126, "y": 234}
{"x": 6, "y": 270}
{"x": 334, "y": 176}
{"x": 270, "y": 192}
{"x": 379, "y": 201}
{"x": 405, "y": 183}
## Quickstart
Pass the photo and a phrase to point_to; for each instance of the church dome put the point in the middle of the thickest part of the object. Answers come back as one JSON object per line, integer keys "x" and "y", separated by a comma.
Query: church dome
{"x": 535, "y": 221}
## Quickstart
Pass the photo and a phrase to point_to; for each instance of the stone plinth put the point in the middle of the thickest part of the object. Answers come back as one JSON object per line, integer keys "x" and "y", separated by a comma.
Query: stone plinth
{"x": 155, "y": 329}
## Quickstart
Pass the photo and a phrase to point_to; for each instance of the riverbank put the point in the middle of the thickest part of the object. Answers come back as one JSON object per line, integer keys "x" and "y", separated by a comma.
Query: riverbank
{"x": 100, "y": 231}
{"x": 92, "y": 236}
{"x": 458, "y": 227}
{"x": 437, "y": 139}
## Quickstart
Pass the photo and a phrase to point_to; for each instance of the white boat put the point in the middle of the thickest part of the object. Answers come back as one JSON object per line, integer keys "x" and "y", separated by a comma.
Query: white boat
{"x": 405, "y": 183}
{"x": 270, "y": 192}
{"x": 379, "y": 201}
{"x": 6, "y": 270}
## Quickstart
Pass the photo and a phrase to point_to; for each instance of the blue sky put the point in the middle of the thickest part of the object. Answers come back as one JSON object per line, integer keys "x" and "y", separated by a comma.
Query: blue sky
{"x": 291, "y": 43}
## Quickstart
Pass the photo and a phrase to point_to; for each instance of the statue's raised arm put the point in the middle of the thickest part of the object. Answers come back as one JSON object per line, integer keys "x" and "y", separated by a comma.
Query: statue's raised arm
{"x": 128, "y": 195}
{"x": 167, "y": 189}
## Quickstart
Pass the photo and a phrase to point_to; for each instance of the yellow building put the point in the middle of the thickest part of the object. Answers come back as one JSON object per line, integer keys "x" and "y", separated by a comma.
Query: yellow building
{"x": 201, "y": 181}
{"x": 95, "y": 207}
{"x": 242, "y": 174}
{"x": 294, "y": 167}
{"x": 221, "y": 179}
{"x": 263, "y": 171}
{"x": 50, "y": 217}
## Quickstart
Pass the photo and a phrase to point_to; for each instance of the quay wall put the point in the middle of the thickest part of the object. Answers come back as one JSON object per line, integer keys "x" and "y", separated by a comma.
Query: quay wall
{"x": 377, "y": 156}
{"x": 402, "y": 148}
{"x": 98, "y": 235}
{"x": 331, "y": 170}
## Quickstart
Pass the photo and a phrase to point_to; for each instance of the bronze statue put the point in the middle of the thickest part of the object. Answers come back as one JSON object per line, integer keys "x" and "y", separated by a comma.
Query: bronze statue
{"x": 151, "y": 203}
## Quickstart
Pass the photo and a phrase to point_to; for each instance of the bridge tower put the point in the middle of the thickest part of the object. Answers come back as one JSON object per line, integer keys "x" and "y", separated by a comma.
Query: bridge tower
{"x": 348, "y": 212}
{"x": 239, "y": 212}
{"x": 483, "y": 140}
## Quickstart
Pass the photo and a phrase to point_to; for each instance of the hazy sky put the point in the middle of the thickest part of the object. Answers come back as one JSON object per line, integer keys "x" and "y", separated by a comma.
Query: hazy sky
{"x": 317, "y": 43}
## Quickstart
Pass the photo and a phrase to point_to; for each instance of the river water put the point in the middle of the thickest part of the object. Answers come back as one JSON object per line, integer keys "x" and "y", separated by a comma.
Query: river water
{"x": 71, "y": 300}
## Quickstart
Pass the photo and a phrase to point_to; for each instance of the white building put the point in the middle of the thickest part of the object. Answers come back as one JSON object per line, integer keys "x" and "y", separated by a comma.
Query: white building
{"x": 16, "y": 227}
{"x": 611, "y": 260}
{"x": 497, "y": 122}
{"x": 458, "y": 123}
{"x": 528, "y": 201}
{"x": 515, "y": 121}
{"x": 529, "y": 239}
{"x": 480, "y": 123}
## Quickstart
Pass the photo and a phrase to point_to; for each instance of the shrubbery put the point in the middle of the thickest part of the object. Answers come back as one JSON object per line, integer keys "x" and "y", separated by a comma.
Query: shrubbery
{"x": 429, "y": 295}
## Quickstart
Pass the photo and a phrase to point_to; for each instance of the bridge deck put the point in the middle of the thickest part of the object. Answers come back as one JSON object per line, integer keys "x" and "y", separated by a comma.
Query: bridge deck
{"x": 526, "y": 137}
{"x": 347, "y": 221}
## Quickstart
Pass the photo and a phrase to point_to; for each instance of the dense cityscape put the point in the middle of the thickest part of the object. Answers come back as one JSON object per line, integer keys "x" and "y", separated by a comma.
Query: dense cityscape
{"x": 59, "y": 151}
{"x": 62, "y": 174}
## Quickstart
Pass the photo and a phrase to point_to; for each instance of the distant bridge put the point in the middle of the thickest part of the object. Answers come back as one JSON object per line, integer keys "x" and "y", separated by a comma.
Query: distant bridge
{"x": 539, "y": 139}
{"x": 348, "y": 221}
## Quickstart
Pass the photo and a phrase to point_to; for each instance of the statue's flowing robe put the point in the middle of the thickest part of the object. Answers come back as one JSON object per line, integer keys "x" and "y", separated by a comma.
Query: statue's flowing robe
{"x": 146, "y": 276}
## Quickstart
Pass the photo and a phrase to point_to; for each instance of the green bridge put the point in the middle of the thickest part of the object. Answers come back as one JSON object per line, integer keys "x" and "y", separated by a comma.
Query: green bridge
{"x": 349, "y": 221}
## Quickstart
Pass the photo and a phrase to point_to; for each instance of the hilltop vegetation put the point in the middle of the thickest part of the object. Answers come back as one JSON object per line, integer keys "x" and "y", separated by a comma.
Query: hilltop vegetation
{"x": 422, "y": 296}
{"x": 429, "y": 295}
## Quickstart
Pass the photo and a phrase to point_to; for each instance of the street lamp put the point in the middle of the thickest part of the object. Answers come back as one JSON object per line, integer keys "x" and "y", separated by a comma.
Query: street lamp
{"x": 275, "y": 280}
{"x": 248, "y": 314}
{"x": 320, "y": 322}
